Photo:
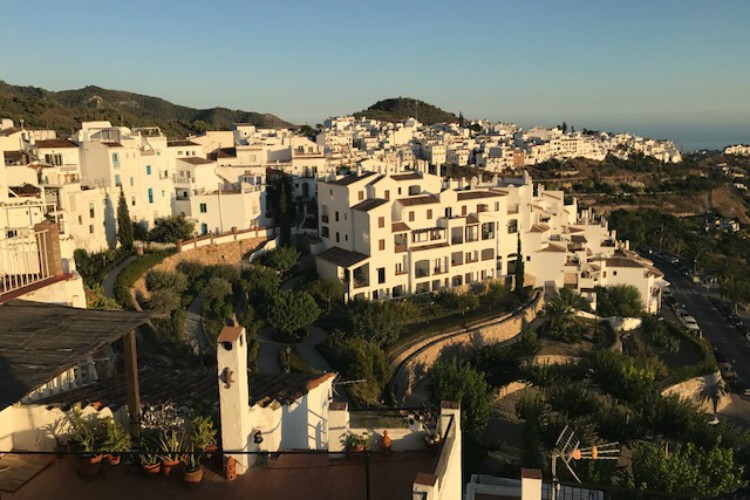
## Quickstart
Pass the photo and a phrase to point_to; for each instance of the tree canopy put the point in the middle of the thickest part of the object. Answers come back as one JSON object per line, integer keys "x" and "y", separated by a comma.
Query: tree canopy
{"x": 454, "y": 381}
{"x": 619, "y": 300}
{"x": 291, "y": 311}
{"x": 172, "y": 228}
{"x": 124, "y": 223}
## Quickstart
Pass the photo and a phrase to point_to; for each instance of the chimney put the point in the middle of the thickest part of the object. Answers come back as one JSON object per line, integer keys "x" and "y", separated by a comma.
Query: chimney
{"x": 531, "y": 484}
{"x": 48, "y": 242}
{"x": 234, "y": 406}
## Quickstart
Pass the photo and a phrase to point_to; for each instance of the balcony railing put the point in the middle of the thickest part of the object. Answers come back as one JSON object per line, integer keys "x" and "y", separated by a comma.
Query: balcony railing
{"x": 23, "y": 260}
{"x": 399, "y": 248}
{"x": 324, "y": 218}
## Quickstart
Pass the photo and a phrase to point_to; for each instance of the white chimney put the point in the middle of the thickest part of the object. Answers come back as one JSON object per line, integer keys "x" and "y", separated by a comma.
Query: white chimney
{"x": 531, "y": 484}
{"x": 234, "y": 406}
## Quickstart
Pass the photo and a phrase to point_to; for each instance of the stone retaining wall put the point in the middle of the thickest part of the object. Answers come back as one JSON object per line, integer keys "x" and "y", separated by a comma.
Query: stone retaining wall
{"x": 412, "y": 364}
{"x": 692, "y": 390}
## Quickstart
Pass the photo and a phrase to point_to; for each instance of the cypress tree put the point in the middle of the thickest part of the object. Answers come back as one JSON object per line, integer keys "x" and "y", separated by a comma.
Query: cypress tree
{"x": 124, "y": 224}
{"x": 520, "y": 268}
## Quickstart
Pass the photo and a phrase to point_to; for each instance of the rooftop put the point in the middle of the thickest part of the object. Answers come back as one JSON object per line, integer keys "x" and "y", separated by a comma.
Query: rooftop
{"x": 55, "y": 143}
{"x": 291, "y": 476}
{"x": 196, "y": 160}
{"x": 370, "y": 204}
{"x": 40, "y": 341}
{"x": 350, "y": 179}
{"x": 473, "y": 195}
{"x": 190, "y": 387}
{"x": 341, "y": 257}
{"x": 418, "y": 200}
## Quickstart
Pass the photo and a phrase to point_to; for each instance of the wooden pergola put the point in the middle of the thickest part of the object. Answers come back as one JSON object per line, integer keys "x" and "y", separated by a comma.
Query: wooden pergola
{"x": 40, "y": 341}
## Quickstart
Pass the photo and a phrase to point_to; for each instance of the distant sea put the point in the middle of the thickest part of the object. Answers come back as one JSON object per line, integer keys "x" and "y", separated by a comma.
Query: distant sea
{"x": 693, "y": 138}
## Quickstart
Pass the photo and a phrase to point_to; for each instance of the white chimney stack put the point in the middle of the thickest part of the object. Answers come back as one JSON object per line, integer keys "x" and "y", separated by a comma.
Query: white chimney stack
{"x": 234, "y": 405}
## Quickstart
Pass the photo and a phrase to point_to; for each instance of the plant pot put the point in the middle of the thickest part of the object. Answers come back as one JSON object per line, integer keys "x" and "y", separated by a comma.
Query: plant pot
{"x": 193, "y": 478}
{"x": 167, "y": 466}
{"x": 210, "y": 455}
{"x": 114, "y": 459}
{"x": 151, "y": 469}
{"x": 360, "y": 448}
{"x": 61, "y": 450}
{"x": 89, "y": 467}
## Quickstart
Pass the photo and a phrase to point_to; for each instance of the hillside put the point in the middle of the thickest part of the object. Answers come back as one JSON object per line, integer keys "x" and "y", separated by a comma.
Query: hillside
{"x": 65, "y": 110}
{"x": 402, "y": 108}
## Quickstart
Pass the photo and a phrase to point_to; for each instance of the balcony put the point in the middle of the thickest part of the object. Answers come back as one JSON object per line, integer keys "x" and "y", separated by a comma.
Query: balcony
{"x": 438, "y": 270}
{"x": 399, "y": 248}
{"x": 24, "y": 258}
{"x": 324, "y": 218}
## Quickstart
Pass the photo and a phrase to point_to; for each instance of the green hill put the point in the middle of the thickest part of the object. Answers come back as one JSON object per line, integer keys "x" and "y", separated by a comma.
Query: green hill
{"x": 402, "y": 108}
{"x": 65, "y": 110}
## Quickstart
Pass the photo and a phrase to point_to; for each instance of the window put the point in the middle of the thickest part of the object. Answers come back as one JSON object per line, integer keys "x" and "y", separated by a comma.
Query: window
{"x": 337, "y": 216}
{"x": 381, "y": 221}
{"x": 497, "y": 206}
{"x": 91, "y": 210}
{"x": 115, "y": 160}
{"x": 204, "y": 228}
{"x": 387, "y": 194}
{"x": 91, "y": 229}
{"x": 361, "y": 195}
{"x": 429, "y": 214}
{"x": 324, "y": 231}
{"x": 513, "y": 226}
{"x": 148, "y": 169}
{"x": 80, "y": 220}
{"x": 203, "y": 208}
{"x": 381, "y": 275}
{"x": 132, "y": 182}
{"x": 381, "y": 245}
{"x": 162, "y": 193}
{"x": 150, "y": 195}
{"x": 463, "y": 210}
{"x": 449, "y": 212}
{"x": 117, "y": 180}
{"x": 338, "y": 237}
{"x": 132, "y": 200}
{"x": 411, "y": 216}
{"x": 399, "y": 191}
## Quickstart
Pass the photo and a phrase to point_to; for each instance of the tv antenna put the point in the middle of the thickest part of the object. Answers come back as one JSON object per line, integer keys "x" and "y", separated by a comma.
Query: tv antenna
{"x": 567, "y": 449}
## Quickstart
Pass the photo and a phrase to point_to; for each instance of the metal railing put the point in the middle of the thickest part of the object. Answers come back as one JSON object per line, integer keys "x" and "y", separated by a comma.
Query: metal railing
{"x": 23, "y": 260}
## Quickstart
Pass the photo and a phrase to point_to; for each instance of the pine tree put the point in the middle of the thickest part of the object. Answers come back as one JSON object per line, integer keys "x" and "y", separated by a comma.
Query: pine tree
{"x": 520, "y": 268}
{"x": 124, "y": 224}
{"x": 285, "y": 236}
{"x": 564, "y": 127}
{"x": 461, "y": 118}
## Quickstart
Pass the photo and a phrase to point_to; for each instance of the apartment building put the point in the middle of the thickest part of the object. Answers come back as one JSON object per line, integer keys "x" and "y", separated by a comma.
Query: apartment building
{"x": 136, "y": 161}
{"x": 386, "y": 235}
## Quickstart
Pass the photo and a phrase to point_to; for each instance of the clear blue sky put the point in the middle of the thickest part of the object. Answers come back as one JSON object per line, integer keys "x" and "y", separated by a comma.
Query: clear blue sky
{"x": 595, "y": 64}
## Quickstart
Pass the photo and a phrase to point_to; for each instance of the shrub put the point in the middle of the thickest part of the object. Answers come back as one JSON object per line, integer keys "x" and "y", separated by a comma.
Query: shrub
{"x": 192, "y": 269}
{"x": 380, "y": 322}
{"x": 282, "y": 259}
{"x": 620, "y": 300}
{"x": 326, "y": 292}
{"x": 164, "y": 300}
{"x": 218, "y": 288}
{"x": 364, "y": 360}
{"x": 160, "y": 280}
{"x": 224, "y": 271}
{"x": 133, "y": 271}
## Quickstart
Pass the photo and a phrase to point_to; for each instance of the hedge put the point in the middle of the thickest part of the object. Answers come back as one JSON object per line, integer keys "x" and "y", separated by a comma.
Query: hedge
{"x": 128, "y": 276}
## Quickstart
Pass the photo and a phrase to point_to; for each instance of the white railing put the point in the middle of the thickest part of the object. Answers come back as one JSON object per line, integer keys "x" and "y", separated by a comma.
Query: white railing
{"x": 23, "y": 260}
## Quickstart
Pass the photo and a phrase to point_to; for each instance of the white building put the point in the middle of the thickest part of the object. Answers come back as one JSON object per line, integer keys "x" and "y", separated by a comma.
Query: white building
{"x": 389, "y": 235}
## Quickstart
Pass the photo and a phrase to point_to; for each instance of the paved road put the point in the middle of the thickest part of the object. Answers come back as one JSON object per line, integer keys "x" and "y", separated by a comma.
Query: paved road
{"x": 194, "y": 333}
{"x": 725, "y": 337}
{"x": 108, "y": 282}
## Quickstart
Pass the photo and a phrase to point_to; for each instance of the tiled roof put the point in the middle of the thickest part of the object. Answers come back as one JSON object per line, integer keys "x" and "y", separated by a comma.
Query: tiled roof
{"x": 473, "y": 195}
{"x": 191, "y": 387}
{"x": 406, "y": 177}
{"x": 9, "y": 131}
{"x": 341, "y": 257}
{"x": 55, "y": 143}
{"x": 368, "y": 205}
{"x": 539, "y": 228}
{"x": 623, "y": 262}
{"x": 196, "y": 160}
{"x": 429, "y": 247}
{"x": 112, "y": 144}
{"x": 398, "y": 227}
{"x": 350, "y": 179}
{"x": 418, "y": 200}
{"x": 180, "y": 142}
{"x": 553, "y": 249}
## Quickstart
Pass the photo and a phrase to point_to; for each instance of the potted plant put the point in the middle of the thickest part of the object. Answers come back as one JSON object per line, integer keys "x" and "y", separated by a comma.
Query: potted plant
{"x": 56, "y": 430}
{"x": 82, "y": 437}
{"x": 148, "y": 456}
{"x": 357, "y": 442}
{"x": 115, "y": 440}
{"x": 203, "y": 435}
{"x": 170, "y": 444}
{"x": 193, "y": 473}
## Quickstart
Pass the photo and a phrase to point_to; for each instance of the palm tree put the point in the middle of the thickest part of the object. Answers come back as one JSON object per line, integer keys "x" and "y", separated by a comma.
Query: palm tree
{"x": 713, "y": 390}
{"x": 559, "y": 316}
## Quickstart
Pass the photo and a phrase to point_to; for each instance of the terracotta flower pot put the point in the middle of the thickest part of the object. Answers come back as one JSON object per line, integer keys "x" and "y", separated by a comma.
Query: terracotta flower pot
{"x": 89, "y": 467}
{"x": 193, "y": 478}
{"x": 167, "y": 466}
{"x": 114, "y": 459}
{"x": 151, "y": 469}
{"x": 210, "y": 455}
